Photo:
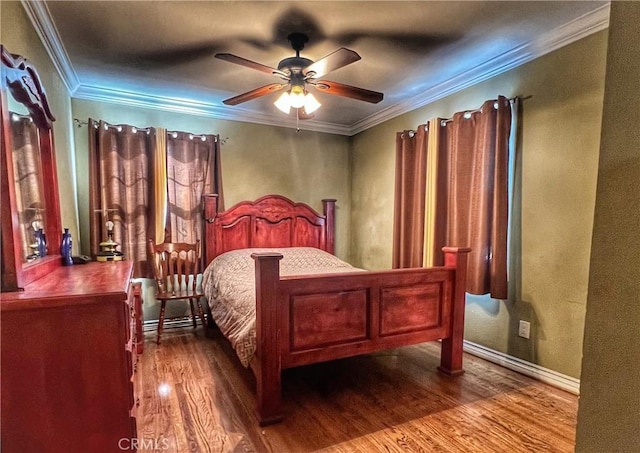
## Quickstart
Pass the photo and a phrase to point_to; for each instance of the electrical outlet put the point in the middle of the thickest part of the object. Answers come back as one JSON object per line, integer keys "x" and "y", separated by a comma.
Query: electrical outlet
{"x": 524, "y": 329}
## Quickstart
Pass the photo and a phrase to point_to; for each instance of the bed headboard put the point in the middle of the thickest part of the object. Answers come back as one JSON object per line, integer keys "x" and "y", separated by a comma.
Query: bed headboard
{"x": 270, "y": 221}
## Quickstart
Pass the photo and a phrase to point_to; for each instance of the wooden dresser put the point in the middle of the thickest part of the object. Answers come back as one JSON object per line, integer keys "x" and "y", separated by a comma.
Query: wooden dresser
{"x": 68, "y": 358}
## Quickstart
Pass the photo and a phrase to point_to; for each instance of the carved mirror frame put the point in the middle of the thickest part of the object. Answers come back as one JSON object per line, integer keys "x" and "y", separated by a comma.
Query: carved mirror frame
{"x": 20, "y": 80}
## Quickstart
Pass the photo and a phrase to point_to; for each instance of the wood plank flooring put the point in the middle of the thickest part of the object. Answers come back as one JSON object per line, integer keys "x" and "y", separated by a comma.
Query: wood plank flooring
{"x": 196, "y": 397}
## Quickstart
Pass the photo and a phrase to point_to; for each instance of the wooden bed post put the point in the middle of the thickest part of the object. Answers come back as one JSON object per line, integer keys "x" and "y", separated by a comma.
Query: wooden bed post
{"x": 451, "y": 354}
{"x": 210, "y": 211}
{"x": 329, "y": 210}
{"x": 268, "y": 368}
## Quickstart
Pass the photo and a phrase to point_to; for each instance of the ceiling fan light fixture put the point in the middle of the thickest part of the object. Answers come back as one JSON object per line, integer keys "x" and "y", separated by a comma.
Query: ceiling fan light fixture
{"x": 311, "y": 104}
{"x": 283, "y": 103}
{"x": 297, "y": 98}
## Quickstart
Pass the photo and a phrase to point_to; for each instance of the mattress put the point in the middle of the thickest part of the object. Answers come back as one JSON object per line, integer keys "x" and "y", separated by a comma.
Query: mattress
{"x": 229, "y": 284}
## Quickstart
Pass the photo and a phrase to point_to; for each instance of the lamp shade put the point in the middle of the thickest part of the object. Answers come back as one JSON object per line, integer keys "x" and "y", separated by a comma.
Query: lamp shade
{"x": 283, "y": 103}
{"x": 296, "y": 96}
{"x": 311, "y": 104}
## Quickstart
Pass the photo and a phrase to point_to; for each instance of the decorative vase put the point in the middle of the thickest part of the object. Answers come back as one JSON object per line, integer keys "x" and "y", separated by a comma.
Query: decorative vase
{"x": 65, "y": 248}
{"x": 41, "y": 240}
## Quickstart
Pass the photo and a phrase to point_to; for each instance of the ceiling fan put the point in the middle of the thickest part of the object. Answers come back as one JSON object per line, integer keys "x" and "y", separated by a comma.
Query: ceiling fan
{"x": 297, "y": 74}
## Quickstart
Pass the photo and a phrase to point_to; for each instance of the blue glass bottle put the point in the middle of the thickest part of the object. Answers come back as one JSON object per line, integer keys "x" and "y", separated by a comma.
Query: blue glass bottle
{"x": 65, "y": 248}
{"x": 41, "y": 240}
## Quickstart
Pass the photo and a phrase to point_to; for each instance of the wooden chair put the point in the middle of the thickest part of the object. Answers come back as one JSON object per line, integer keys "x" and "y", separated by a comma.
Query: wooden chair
{"x": 176, "y": 267}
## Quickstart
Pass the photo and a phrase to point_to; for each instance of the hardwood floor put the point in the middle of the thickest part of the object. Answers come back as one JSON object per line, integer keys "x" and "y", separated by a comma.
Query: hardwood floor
{"x": 196, "y": 397}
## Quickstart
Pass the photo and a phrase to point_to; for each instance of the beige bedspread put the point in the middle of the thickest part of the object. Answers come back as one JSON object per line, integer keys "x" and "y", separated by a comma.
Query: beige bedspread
{"x": 229, "y": 284}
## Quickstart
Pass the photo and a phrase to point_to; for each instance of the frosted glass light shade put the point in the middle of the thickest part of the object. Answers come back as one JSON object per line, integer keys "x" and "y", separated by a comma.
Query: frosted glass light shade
{"x": 296, "y": 96}
{"x": 283, "y": 103}
{"x": 311, "y": 104}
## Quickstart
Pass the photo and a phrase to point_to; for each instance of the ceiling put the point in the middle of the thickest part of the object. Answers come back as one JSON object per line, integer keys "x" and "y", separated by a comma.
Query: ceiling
{"x": 161, "y": 54}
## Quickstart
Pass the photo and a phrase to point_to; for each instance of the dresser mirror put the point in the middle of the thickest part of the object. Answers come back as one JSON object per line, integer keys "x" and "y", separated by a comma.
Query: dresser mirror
{"x": 31, "y": 228}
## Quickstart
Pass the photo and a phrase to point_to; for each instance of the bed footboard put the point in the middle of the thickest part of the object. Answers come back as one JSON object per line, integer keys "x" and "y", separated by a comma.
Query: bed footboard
{"x": 308, "y": 319}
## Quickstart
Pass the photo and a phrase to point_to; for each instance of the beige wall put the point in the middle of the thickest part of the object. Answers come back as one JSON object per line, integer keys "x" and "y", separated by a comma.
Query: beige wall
{"x": 19, "y": 37}
{"x": 609, "y": 412}
{"x": 556, "y": 168}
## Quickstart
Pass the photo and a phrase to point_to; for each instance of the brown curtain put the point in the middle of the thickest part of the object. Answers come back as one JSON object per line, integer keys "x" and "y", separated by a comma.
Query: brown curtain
{"x": 27, "y": 172}
{"x": 123, "y": 180}
{"x": 475, "y": 149}
{"x": 193, "y": 168}
{"x": 119, "y": 179}
{"x": 409, "y": 203}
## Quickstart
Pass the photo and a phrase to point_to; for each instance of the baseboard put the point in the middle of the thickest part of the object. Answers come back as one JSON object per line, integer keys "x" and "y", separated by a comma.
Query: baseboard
{"x": 152, "y": 324}
{"x": 542, "y": 374}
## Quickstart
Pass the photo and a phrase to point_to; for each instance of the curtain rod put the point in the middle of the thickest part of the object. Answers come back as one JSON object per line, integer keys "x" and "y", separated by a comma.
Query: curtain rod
{"x": 80, "y": 123}
{"x": 444, "y": 121}
{"x": 174, "y": 134}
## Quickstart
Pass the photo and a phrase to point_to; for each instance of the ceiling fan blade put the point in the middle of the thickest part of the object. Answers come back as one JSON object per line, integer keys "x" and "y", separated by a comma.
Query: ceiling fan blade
{"x": 249, "y": 95}
{"x": 340, "y": 89}
{"x": 248, "y": 63}
{"x": 336, "y": 60}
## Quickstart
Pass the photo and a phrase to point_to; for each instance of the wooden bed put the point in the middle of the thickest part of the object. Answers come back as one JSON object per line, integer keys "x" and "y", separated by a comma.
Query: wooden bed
{"x": 308, "y": 319}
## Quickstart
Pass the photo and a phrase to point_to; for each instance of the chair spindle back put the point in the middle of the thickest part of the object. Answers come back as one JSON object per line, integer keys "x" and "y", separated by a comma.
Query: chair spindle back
{"x": 175, "y": 265}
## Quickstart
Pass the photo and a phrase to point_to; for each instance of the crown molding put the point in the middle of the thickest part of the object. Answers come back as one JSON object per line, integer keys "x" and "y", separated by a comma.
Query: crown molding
{"x": 40, "y": 17}
{"x": 191, "y": 107}
{"x": 579, "y": 28}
